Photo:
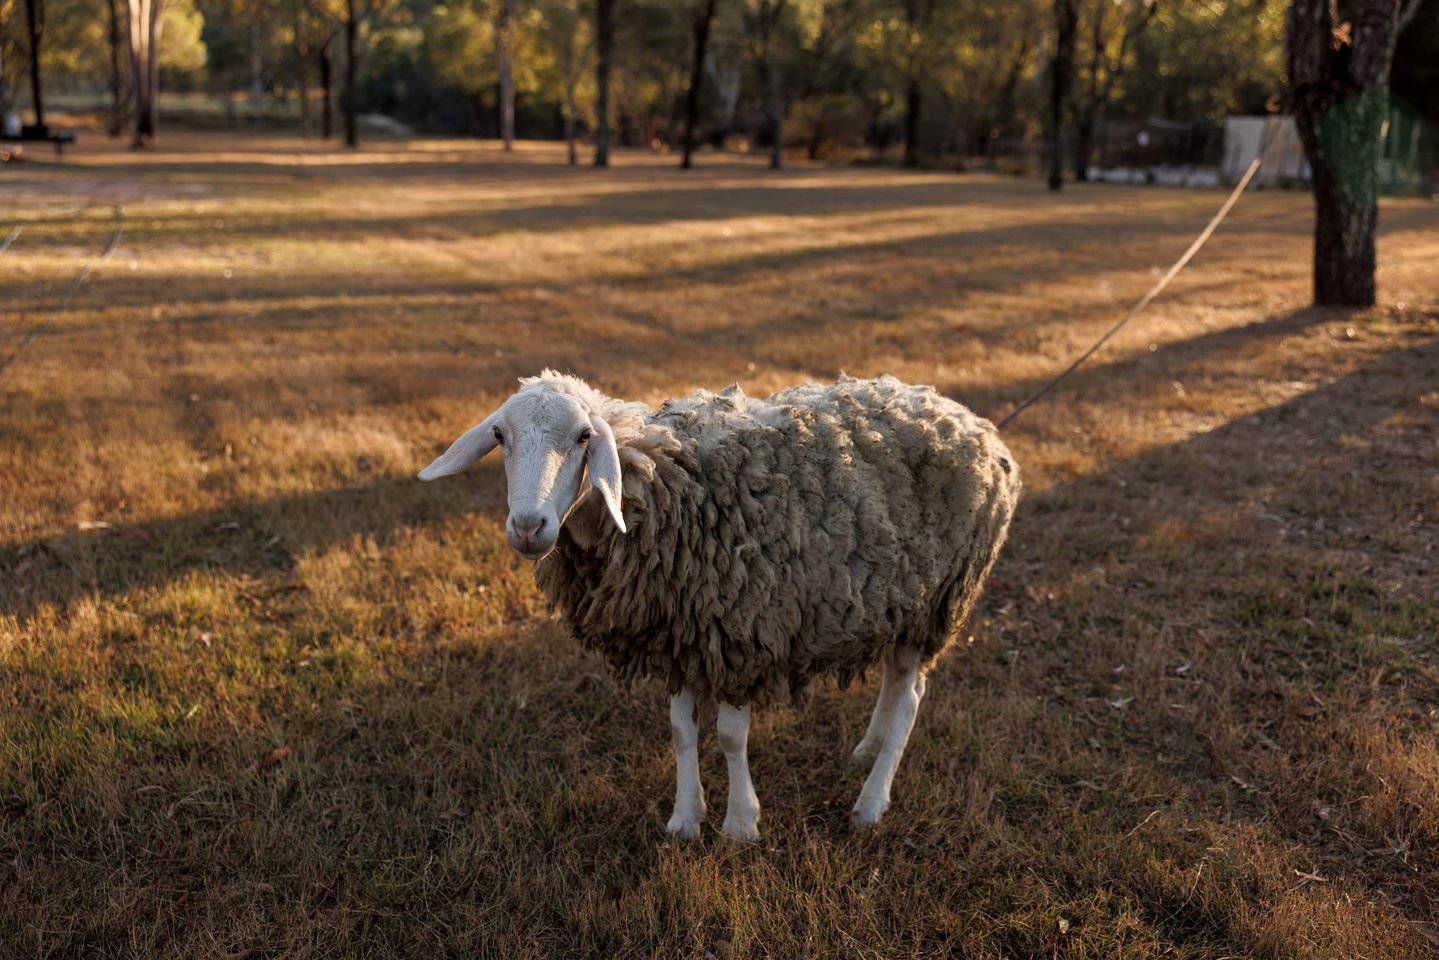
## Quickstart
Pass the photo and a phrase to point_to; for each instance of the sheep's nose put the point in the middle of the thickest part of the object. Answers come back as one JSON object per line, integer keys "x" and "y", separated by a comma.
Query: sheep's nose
{"x": 528, "y": 526}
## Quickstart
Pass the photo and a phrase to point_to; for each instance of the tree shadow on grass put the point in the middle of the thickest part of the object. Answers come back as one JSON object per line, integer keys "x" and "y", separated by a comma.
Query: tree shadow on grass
{"x": 256, "y": 536}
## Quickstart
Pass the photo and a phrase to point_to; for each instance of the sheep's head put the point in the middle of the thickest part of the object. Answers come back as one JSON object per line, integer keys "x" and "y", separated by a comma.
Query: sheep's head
{"x": 551, "y": 439}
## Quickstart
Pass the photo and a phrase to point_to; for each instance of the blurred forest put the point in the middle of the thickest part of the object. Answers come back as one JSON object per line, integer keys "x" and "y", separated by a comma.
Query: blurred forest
{"x": 926, "y": 81}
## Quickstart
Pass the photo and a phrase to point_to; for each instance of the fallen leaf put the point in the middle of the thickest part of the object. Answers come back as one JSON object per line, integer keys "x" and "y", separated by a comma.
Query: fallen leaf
{"x": 276, "y": 755}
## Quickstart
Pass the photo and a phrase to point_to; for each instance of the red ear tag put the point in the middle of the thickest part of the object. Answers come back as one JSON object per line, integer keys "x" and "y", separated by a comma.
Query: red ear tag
{"x": 622, "y": 504}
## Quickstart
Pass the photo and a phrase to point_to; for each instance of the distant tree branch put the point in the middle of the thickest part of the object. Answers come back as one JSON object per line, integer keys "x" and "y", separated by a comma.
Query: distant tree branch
{"x": 1407, "y": 15}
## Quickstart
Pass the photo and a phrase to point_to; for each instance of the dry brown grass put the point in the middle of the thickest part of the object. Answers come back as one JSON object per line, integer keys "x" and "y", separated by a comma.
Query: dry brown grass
{"x": 294, "y": 703}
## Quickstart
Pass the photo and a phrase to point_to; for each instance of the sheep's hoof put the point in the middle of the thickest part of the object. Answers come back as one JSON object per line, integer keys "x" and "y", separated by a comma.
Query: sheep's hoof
{"x": 867, "y": 813}
{"x": 687, "y": 828}
{"x": 742, "y": 831}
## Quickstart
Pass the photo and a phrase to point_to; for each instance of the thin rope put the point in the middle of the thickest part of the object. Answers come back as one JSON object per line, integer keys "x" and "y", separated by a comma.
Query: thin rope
{"x": 1158, "y": 288}
{"x": 75, "y": 284}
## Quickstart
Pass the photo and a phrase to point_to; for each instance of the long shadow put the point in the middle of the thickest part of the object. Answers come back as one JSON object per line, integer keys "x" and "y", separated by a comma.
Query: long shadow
{"x": 1085, "y": 245}
{"x": 257, "y": 538}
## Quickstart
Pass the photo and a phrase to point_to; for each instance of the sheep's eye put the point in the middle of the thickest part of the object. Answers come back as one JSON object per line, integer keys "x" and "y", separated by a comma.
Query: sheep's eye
{"x": 499, "y": 436}
{"x": 584, "y": 438}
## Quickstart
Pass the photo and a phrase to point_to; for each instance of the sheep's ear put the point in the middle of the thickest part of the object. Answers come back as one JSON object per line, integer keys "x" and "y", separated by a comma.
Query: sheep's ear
{"x": 473, "y": 444}
{"x": 604, "y": 463}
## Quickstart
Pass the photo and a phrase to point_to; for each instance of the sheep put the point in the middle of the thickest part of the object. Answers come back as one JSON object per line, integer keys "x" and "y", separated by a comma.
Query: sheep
{"x": 736, "y": 549}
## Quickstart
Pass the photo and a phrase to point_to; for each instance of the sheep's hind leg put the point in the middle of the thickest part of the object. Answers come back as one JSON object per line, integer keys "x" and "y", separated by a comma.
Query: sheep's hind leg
{"x": 879, "y": 721}
{"x": 689, "y": 792}
{"x": 741, "y": 821}
{"x": 908, "y": 691}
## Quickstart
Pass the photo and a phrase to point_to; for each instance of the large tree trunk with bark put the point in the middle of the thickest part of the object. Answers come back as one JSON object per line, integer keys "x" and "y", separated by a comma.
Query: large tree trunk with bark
{"x": 504, "y": 50}
{"x": 117, "y": 69}
{"x": 697, "y": 69}
{"x": 1339, "y": 86}
{"x": 144, "y": 28}
{"x": 348, "y": 98}
{"x": 604, "y": 49}
{"x": 1066, "y": 19}
{"x": 35, "y": 24}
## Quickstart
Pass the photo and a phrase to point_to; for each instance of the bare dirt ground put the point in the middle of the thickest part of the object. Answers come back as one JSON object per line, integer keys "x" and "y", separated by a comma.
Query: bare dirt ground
{"x": 264, "y": 694}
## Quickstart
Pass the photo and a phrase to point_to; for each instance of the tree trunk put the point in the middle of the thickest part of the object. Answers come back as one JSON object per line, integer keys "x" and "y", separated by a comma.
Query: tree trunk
{"x": 302, "y": 73}
{"x": 572, "y": 156}
{"x": 503, "y": 56}
{"x": 1340, "y": 96}
{"x": 145, "y": 23}
{"x": 327, "y": 69}
{"x": 697, "y": 69}
{"x": 1066, "y": 19}
{"x": 4, "y": 88}
{"x": 774, "y": 106}
{"x": 117, "y": 70}
{"x": 912, "y": 102}
{"x": 257, "y": 78}
{"x": 1084, "y": 145}
{"x": 604, "y": 47}
{"x": 352, "y": 133}
{"x": 35, "y": 23}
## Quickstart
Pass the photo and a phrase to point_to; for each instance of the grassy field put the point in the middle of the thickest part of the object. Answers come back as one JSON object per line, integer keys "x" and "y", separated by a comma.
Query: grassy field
{"x": 262, "y": 694}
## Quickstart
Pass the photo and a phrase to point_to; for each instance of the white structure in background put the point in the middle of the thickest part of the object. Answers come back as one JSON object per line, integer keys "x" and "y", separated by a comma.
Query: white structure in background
{"x": 1283, "y": 159}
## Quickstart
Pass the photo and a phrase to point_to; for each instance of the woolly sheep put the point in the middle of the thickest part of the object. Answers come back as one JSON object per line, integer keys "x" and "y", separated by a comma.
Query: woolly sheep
{"x": 737, "y": 548}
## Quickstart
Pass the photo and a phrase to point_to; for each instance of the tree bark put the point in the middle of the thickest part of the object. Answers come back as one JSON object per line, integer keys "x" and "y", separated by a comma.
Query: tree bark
{"x": 1084, "y": 145}
{"x": 1065, "y": 22}
{"x": 117, "y": 69}
{"x": 257, "y": 77}
{"x": 327, "y": 69}
{"x": 770, "y": 11}
{"x": 35, "y": 24}
{"x": 505, "y": 67}
{"x": 352, "y": 27}
{"x": 1339, "y": 86}
{"x": 604, "y": 48}
{"x": 302, "y": 72}
{"x": 697, "y": 69}
{"x": 145, "y": 27}
{"x": 912, "y": 101}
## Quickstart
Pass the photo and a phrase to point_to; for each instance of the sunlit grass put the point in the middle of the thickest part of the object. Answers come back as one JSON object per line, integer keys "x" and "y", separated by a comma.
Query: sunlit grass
{"x": 261, "y": 692}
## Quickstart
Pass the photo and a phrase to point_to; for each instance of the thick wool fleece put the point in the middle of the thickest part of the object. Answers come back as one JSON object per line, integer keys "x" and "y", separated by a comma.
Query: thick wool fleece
{"x": 774, "y": 541}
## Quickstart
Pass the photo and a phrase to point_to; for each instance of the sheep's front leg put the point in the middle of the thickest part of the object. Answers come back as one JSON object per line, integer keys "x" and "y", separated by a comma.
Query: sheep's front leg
{"x": 741, "y": 820}
{"x": 903, "y": 664}
{"x": 689, "y": 793}
{"x": 879, "y": 721}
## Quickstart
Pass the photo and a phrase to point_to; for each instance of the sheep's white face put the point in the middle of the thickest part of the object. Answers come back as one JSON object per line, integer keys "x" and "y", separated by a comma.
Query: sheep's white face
{"x": 549, "y": 441}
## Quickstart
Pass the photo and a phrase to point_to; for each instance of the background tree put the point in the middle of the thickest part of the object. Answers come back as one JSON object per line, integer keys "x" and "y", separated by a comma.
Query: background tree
{"x": 561, "y": 31}
{"x": 1339, "y": 92}
{"x": 704, "y": 18}
{"x": 764, "y": 18}
{"x": 604, "y": 50}
{"x": 1066, "y": 18}
{"x": 116, "y": 36}
{"x": 35, "y": 31}
{"x": 1111, "y": 31}
{"x": 145, "y": 25}
{"x": 504, "y": 67}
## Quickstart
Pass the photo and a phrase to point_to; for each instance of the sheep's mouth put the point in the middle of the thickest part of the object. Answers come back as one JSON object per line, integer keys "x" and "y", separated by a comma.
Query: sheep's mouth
{"x": 535, "y": 554}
